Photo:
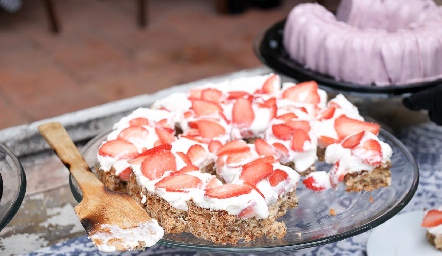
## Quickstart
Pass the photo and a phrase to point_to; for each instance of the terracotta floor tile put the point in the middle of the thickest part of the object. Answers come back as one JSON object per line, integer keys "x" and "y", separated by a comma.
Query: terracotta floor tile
{"x": 102, "y": 55}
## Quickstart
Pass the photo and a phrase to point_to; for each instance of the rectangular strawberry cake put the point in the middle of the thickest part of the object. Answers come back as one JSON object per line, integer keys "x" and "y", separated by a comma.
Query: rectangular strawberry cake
{"x": 223, "y": 161}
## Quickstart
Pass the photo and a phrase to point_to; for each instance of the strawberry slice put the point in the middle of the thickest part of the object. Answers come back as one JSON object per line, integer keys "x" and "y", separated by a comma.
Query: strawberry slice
{"x": 299, "y": 124}
{"x": 134, "y": 133}
{"x": 287, "y": 116}
{"x": 370, "y": 152}
{"x": 282, "y": 150}
{"x": 326, "y": 114}
{"x": 325, "y": 141}
{"x": 140, "y": 157}
{"x": 227, "y": 191}
{"x": 184, "y": 157}
{"x": 211, "y": 94}
{"x": 239, "y": 157}
{"x": 214, "y": 145}
{"x": 164, "y": 135}
{"x": 233, "y": 95}
{"x": 352, "y": 140}
{"x": 179, "y": 183}
{"x": 205, "y": 108}
{"x": 263, "y": 148}
{"x": 210, "y": 129}
{"x": 298, "y": 139}
{"x": 125, "y": 174}
{"x": 271, "y": 85}
{"x": 157, "y": 163}
{"x": 433, "y": 218}
{"x": 312, "y": 184}
{"x": 249, "y": 211}
{"x": 345, "y": 126}
{"x": 282, "y": 131}
{"x": 255, "y": 171}
{"x": 336, "y": 174}
{"x": 186, "y": 169}
{"x": 305, "y": 92}
{"x": 277, "y": 176}
{"x": 139, "y": 121}
{"x": 213, "y": 182}
{"x": 119, "y": 149}
{"x": 197, "y": 154}
{"x": 195, "y": 94}
{"x": 242, "y": 113}
{"x": 234, "y": 146}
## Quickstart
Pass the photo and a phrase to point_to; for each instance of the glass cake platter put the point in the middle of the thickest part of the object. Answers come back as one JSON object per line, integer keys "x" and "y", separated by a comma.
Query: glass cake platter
{"x": 311, "y": 224}
{"x": 12, "y": 185}
{"x": 269, "y": 49}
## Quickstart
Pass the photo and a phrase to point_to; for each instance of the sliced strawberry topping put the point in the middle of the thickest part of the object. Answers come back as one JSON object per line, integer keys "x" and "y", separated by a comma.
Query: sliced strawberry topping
{"x": 119, "y": 149}
{"x": 282, "y": 150}
{"x": 311, "y": 183}
{"x": 234, "y": 146}
{"x": 263, "y": 148}
{"x": 271, "y": 105}
{"x": 326, "y": 114}
{"x": 249, "y": 211}
{"x": 133, "y": 133}
{"x": 277, "y": 176}
{"x": 242, "y": 113}
{"x": 139, "y": 121}
{"x": 239, "y": 157}
{"x": 197, "y": 153}
{"x": 140, "y": 157}
{"x": 184, "y": 157}
{"x": 282, "y": 131}
{"x": 213, "y": 182}
{"x": 299, "y": 124}
{"x": 179, "y": 183}
{"x": 186, "y": 169}
{"x": 432, "y": 218}
{"x": 255, "y": 171}
{"x": 210, "y": 129}
{"x": 233, "y": 95}
{"x": 298, "y": 140}
{"x": 370, "y": 152}
{"x": 157, "y": 163}
{"x": 195, "y": 93}
{"x": 305, "y": 92}
{"x": 227, "y": 191}
{"x": 271, "y": 85}
{"x": 287, "y": 117}
{"x": 345, "y": 126}
{"x": 125, "y": 174}
{"x": 336, "y": 175}
{"x": 352, "y": 140}
{"x": 164, "y": 135}
{"x": 205, "y": 108}
{"x": 325, "y": 141}
{"x": 214, "y": 145}
{"x": 211, "y": 94}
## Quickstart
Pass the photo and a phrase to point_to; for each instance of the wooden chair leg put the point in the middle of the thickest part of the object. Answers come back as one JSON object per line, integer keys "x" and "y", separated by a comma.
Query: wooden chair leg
{"x": 52, "y": 15}
{"x": 142, "y": 13}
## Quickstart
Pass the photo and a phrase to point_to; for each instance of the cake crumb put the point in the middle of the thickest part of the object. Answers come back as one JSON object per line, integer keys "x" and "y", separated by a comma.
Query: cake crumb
{"x": 371, "y": 199}
{"x": 332, "y": 212}
{"x": 299, "y": 234}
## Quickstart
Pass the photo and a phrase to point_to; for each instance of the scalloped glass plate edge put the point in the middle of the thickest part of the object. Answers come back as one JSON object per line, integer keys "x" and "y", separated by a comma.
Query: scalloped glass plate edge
{"x": 367, "y": 225}
{"x": 269, "y": 50}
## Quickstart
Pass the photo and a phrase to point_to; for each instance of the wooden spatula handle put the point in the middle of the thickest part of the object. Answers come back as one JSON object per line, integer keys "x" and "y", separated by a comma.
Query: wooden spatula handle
{"x": 58, "y": 139}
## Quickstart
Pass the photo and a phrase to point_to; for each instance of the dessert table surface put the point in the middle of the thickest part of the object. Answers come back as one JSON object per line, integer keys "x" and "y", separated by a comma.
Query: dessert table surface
{"x": 46, "y": 223}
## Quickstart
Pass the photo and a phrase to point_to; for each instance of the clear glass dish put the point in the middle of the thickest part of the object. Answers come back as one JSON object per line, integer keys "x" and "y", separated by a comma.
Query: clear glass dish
{"x": 310, "y": 224}
{"x": 12, "y": 185}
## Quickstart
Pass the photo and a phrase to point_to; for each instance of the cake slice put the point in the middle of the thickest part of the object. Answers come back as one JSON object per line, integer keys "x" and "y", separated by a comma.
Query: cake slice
{"x": 432, "y": 221}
